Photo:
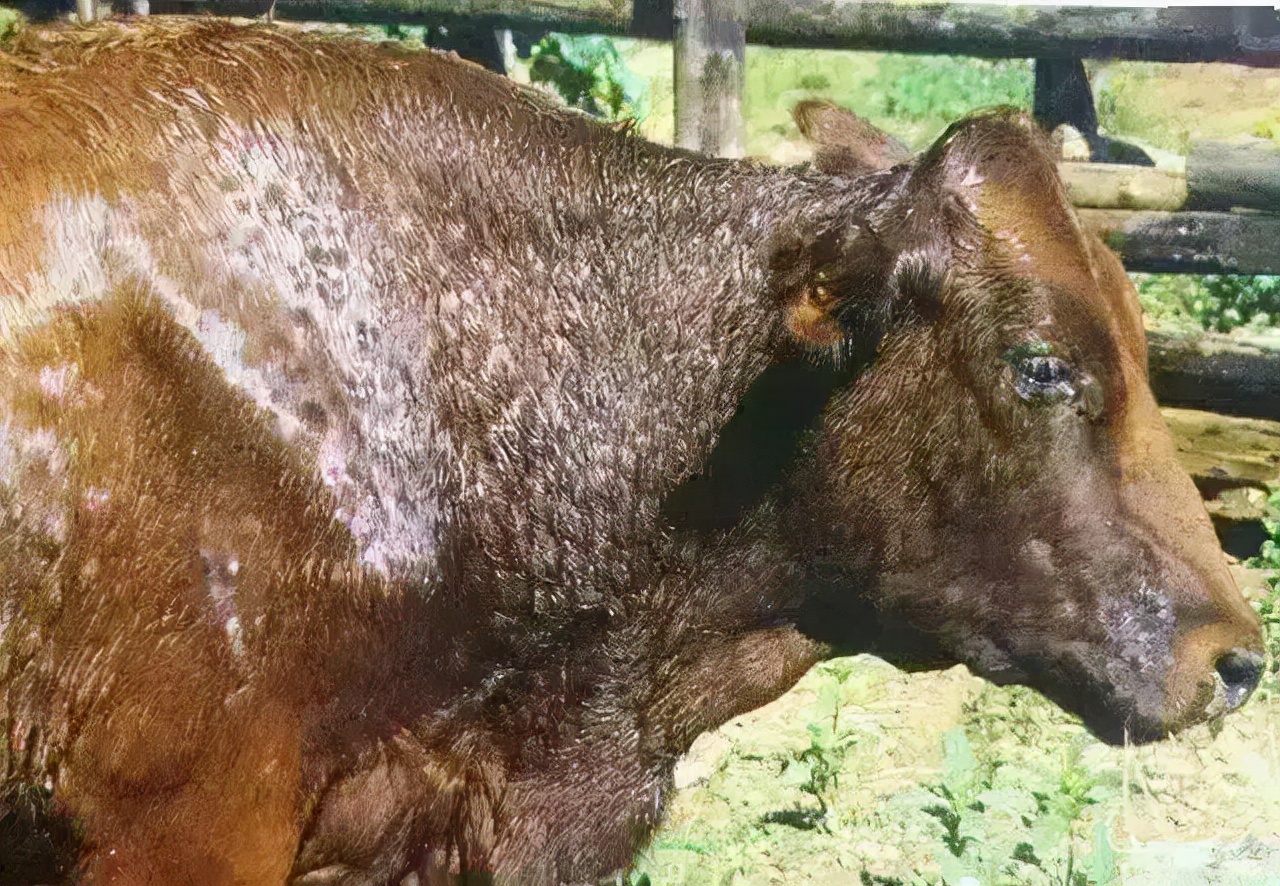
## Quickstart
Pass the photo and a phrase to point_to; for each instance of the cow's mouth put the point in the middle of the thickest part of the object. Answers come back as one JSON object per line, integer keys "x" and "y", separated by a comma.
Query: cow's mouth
{"x": 1143, "y": 709}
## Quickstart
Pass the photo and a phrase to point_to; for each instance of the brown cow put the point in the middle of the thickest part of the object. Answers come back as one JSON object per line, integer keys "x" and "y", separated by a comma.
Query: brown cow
{"x": 359, "y": 513}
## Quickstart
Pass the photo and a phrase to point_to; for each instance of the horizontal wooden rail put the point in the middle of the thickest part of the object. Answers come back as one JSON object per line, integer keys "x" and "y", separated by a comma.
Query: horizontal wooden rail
{"x": 1190, "y": 242}
{"x": 1249, "y": 36}
{"x": 1110, "y": 186}
{"x": 1216, "y": 373}
{"x": 1222, "y": 176}
{"x": 1173, "y": 35}
{"x": 1217, "y": 176}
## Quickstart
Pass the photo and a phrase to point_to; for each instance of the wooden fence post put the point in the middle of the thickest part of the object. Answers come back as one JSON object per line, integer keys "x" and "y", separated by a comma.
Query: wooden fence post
{"x": 710, "y": 48}
{"x": 1063, "y": 95}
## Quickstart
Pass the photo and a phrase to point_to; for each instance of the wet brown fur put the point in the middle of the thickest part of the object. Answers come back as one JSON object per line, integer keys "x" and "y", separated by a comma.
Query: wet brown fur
{"x": 511, "y": 704}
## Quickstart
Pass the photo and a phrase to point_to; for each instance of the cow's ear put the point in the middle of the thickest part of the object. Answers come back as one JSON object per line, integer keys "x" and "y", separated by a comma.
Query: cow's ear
{"x": 845, "y": 143}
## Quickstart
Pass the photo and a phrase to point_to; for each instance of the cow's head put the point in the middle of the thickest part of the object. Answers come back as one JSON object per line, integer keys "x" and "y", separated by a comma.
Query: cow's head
{"x": 1000, "y": 475}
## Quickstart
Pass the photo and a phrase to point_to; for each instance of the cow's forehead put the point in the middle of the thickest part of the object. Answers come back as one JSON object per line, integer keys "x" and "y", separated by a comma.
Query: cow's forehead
{"x": 1082, "y": 288}
{"x": 1038, "y": 234}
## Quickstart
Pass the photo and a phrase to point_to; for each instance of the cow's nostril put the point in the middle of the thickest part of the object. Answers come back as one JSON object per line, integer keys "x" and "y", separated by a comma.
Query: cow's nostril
{"x": 1240, "y": 671}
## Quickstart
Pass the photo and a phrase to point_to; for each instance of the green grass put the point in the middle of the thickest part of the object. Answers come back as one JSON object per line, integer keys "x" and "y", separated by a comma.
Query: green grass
{"x": 1118, "y": 97}
{"x": 1171, "y": 106}
{"x": 10, "y": 21}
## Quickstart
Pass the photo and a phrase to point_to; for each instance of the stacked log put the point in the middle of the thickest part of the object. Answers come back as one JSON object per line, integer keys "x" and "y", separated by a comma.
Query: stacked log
{"x": 1214, "y": 217}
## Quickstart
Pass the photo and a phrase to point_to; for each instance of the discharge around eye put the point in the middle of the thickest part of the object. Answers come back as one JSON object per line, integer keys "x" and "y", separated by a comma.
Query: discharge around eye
{"x": 1038, "y": 375}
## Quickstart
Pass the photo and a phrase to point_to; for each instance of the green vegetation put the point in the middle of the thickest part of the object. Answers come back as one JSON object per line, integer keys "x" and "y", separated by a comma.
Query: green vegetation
{"x": 1219, "y": 303}
{"x": 911, "y": 97}
{"x": 815, "y": 770}
{"x": 589, "y": 74}
{"x": 939, "y": 779}
{"x": 1002, "y": 822}
{"x": 1168, "y": 106}
{"x": 1119, "y": 90}
{"x": 10, "y": 22}
{"x": 411, "y": 36}
{"x": 940, "y": 89}
{"x": 840, "y": 790}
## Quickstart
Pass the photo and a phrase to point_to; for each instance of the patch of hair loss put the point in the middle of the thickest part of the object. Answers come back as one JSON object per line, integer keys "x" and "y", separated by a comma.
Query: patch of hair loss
{"x": 293, "y": 289}
{"x": 220, "y": 571}
{"x": 1140, "y": 629}
{"x": 89, "y": 246}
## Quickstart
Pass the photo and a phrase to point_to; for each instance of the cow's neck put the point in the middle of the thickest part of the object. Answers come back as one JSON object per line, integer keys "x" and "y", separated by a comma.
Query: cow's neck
{"x": 610, "y": 598}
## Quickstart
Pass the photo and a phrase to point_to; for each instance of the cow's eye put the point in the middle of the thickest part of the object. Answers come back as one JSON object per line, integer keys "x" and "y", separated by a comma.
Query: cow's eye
{"x": 1039, "y": 376}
